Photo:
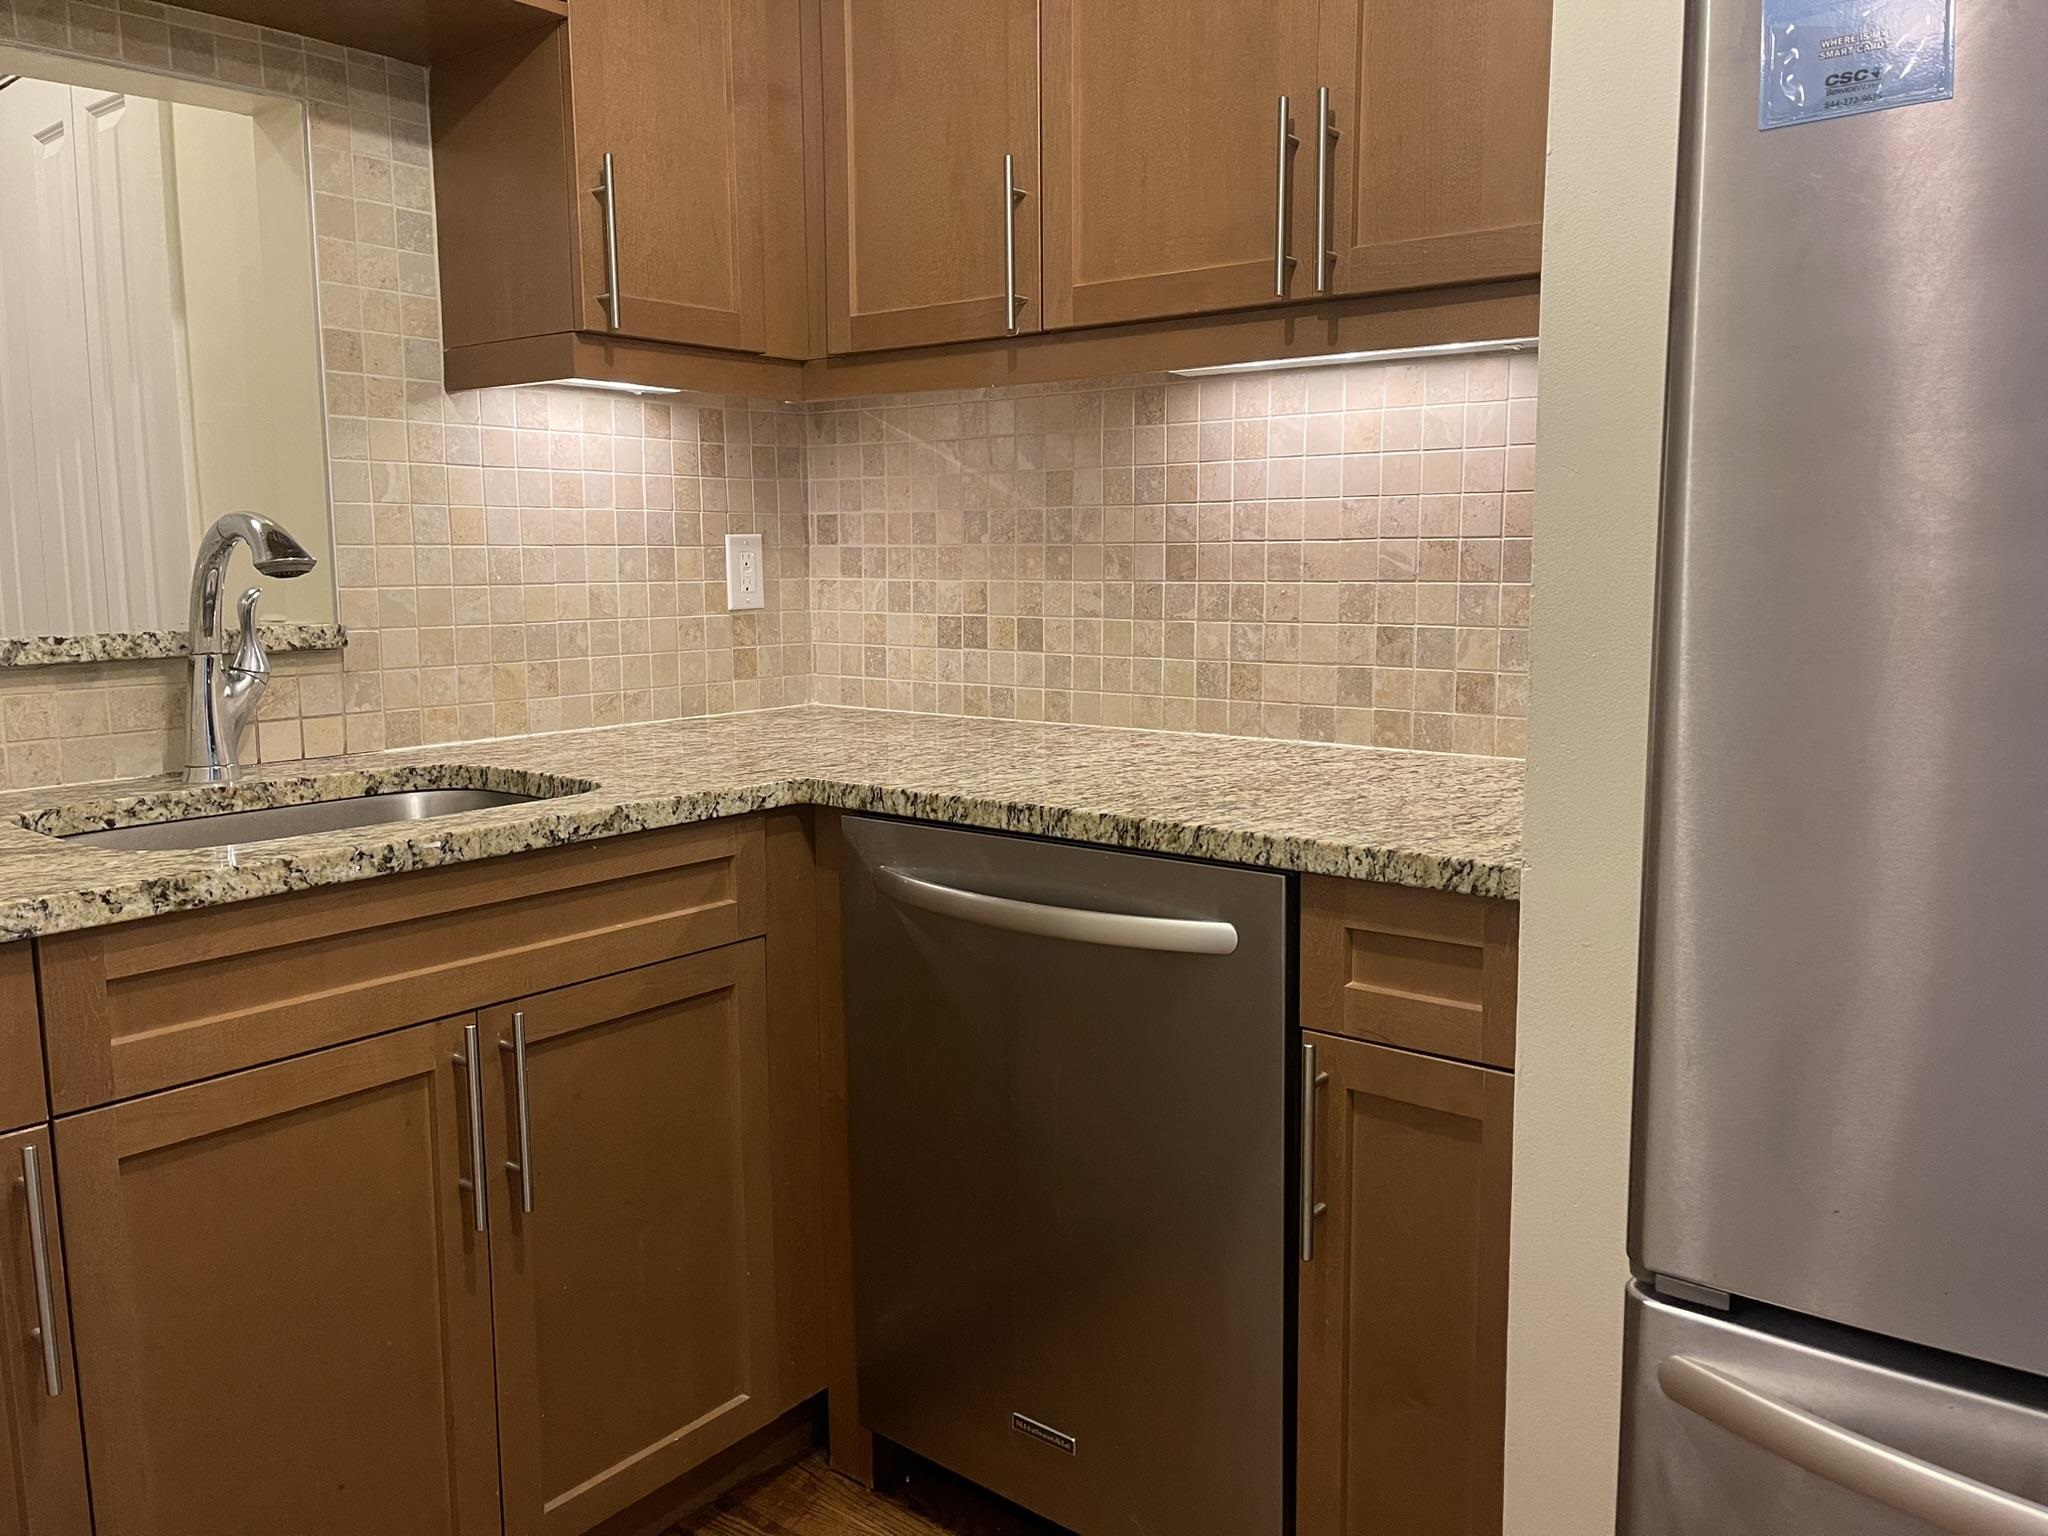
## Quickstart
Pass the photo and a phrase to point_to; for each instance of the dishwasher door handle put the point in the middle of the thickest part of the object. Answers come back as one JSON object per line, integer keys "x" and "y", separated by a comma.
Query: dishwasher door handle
{"x": 1118, "y": 930}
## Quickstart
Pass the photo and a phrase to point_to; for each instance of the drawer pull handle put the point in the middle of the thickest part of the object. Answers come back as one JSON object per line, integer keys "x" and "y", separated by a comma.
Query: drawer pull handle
{"x": 1281, "y": 187}
{"x": 45, "y": 1332}
{"x": 1013, "y": 301}
{"x": 473, "y": 1079}
{"x": 1311, "y": 1207}
{"x": 607, "y": 188}
{"x": 1878, "y": 1471}
{"x": 516, "y": 1048}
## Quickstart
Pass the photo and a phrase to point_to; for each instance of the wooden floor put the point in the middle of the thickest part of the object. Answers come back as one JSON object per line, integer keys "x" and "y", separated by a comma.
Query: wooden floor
{"x": 809, "y": 1499}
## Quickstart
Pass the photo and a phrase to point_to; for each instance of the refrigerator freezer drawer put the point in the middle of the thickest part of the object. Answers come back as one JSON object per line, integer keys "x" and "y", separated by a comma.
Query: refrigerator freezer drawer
{"x": 1068, "y": 1094}
{"x": 1793, "y": 1428}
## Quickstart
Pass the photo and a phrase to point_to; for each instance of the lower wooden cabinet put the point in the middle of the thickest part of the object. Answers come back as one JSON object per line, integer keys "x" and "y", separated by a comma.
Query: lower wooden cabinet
{"x": 42, "y": 1466}
{"x": 635, "y": 1300}
{"x": 281, "y": 1299}
{"x": 362, "y": 1289}
{"x": 1403, "y": 1302}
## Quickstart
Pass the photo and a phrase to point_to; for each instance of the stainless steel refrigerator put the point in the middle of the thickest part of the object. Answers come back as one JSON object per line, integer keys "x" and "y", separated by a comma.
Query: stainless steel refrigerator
{"x": 1840, "y": 1320}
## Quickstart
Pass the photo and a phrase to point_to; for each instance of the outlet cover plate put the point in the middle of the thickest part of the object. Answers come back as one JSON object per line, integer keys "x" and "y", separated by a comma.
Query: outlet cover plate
{"x": 745, "y": 582}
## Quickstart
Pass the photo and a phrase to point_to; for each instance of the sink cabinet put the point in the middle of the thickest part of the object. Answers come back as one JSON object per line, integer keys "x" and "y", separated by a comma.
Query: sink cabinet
{"x": 635, "y": 1301}
{"x": 281, "y": 1299}
{"x": 42, "y": 1459}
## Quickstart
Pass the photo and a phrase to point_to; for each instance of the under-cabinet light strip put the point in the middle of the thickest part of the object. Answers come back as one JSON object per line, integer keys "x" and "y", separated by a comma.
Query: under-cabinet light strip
{"x": 1384, "y": 355}
{"x": 622, "y": 389}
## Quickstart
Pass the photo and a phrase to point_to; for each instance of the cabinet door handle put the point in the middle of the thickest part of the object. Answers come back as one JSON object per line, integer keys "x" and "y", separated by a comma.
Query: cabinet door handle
{"x": 45, "y": 1332}
{"x": 1326, "y": 135}
{"x": 1285, "y": 141}
{"x": 466, "y": 1059}
{"x": 607, "y": 190}
{"x": 1013, "y": 301}
{"x": 1311, "y": 1207}
{"x": 516, "y": 1047}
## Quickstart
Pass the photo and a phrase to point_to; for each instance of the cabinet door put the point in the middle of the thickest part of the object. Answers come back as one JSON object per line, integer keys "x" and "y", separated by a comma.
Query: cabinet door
{"x": 635, "y": 1301}
{"x": 923, "y": 99}
{"x": 1403, "y": 1305}
{"x": 42, "y": 1464}
{"x": 1437, "y": 166}
{"x": 1163, "y": 161}
{"x": 671, "y": 89}
{"x": 281, "y": 1299}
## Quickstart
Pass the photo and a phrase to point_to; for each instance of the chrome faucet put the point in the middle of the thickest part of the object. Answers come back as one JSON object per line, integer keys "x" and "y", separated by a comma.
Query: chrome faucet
{"x": 225, "y": 686}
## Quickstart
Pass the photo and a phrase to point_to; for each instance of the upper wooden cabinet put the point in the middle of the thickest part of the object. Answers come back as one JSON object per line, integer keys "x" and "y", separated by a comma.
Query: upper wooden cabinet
{"x": 661, "y": 88}
{"x": 923, "y": 100}
{"x": 1437, "y": 116}
{"x": 678, "y": 93}
{"x": 1166, "y": 179}
{"x": 635, "y": 1299}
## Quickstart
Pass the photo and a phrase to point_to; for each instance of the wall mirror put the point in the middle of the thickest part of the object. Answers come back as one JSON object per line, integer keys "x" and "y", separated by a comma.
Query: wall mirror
{"x": 159, "y": 351}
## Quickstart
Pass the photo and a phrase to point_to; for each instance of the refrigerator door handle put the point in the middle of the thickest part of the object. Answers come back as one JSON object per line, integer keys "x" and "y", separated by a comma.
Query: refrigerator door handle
{"x": 1945, "y": 1499}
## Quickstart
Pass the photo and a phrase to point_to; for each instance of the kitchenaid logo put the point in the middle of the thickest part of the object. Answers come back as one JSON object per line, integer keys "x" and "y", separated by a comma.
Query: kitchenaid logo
{"x": 1854, "y": 42}
{"x": 1044, "y": 1432}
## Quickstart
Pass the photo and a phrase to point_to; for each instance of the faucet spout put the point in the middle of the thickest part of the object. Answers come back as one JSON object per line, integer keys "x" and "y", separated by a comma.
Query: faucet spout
{"x": 226, "y": 684}
{"x": 274, "y": 551}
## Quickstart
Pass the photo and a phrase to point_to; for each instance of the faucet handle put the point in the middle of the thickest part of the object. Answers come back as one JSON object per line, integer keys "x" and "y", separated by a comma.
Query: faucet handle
{"x": 249, "y": 653}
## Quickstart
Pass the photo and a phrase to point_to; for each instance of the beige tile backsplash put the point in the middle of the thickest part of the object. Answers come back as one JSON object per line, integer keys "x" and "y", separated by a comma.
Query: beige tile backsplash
{"x": 1333, "y": 554}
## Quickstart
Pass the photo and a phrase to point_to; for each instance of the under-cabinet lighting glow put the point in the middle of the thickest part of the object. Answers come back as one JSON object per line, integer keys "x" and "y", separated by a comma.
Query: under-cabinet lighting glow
{"x": 1384, "y": 355}
{"x": 615, "y": 388}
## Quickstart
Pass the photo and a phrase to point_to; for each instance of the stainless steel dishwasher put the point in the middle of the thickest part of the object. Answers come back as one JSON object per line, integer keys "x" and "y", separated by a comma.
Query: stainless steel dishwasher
{"x": 1068, "y": 1080}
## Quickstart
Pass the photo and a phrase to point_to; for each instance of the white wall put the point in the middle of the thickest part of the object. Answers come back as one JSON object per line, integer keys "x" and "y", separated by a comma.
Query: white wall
{"x": 1606, "y": 297}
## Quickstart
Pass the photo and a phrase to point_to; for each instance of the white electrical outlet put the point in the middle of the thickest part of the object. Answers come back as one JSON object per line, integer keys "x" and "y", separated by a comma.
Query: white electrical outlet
{"x": 745, "y": 584}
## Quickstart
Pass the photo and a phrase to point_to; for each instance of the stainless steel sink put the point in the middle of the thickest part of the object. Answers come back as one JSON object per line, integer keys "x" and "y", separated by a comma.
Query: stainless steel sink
{"x": 231, "y": 828}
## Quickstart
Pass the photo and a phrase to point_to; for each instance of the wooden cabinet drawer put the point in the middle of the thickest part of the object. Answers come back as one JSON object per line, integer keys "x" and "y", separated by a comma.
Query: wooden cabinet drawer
{"x": 1425, "y": 970}
{"x": 22, "y": 1099}
{"x": 137, "y": 1008}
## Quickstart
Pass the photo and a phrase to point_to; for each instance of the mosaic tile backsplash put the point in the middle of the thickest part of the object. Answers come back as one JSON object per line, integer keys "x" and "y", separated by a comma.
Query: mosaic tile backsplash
{"x": 1329, "y": 554}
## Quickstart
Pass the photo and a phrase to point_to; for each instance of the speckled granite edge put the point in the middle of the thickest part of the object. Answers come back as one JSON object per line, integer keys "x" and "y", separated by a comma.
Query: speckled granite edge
{"x": 184, "y": 804}
{"x": 1358, "y": 813}
{"x": 1190, "y": 839}
{"x": 156, "y": 644}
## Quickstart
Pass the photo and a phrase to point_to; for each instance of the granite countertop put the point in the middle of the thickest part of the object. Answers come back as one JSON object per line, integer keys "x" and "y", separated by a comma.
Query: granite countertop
{"x": 1407, "y": 818}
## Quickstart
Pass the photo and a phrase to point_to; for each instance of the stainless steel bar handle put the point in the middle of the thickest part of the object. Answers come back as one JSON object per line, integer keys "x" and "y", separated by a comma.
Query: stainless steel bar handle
{"x": 1944, "y": 1499}
{"x": 471, "y": 1067}
{"x": 1013, "y": 301}
{"x": 607, "y": 189}
{"x": 1311, "y": 1207}
{"x": 1281, "y": 180}
{"x": 39, "y": 1252}
{"x": 1326, "y": 135}
{"x": 524, "y": 1167}
{"x": 1118, "y": 930}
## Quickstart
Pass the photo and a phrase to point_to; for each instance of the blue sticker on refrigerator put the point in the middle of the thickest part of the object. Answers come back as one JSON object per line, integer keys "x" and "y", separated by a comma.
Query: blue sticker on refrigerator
{"x": 1824, "y": 60}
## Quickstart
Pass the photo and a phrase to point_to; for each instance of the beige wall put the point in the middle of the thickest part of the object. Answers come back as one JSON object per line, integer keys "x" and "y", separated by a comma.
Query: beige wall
{"x": 1606, "y": 298}
{"x": 245, "y": 239}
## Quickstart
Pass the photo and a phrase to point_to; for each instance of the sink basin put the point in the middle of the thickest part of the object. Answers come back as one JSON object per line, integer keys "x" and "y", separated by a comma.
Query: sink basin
{"x": 229, "y": 828}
